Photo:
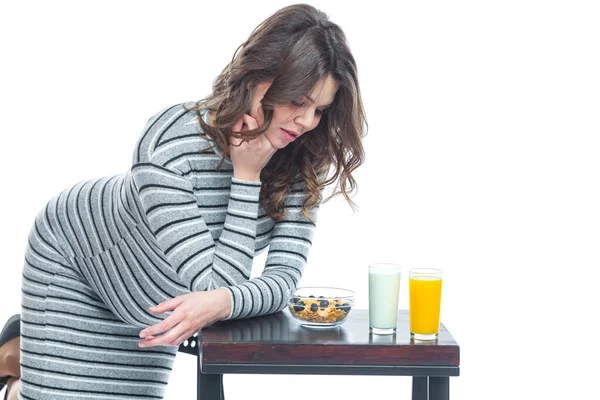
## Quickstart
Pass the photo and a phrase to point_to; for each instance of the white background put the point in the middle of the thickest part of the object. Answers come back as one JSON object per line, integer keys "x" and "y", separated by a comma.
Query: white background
{"x": 482, "y": 159}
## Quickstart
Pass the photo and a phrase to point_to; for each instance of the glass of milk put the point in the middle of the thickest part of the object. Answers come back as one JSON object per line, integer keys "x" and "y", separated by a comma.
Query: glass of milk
{"x": 384, "y": 292}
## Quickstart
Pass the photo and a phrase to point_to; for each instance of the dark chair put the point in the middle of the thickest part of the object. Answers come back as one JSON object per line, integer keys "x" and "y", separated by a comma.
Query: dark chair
{"x": 190, "y": 346}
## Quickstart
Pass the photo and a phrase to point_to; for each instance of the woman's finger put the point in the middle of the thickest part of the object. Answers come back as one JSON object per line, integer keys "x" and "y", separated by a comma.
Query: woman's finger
{"x": 235, "y": 141}
{"x": 183, "y": 337}
{"x": 167, "y": 305}
{"x": 237, "y": 127}
{"x": 162, "y": 326}
{"x": 250, "y": 122}
{"x": 164, "y": 340}
{"x": 245, "y": 123}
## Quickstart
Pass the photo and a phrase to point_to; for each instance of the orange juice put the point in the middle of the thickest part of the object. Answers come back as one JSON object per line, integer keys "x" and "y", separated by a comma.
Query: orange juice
{"x": 425, "y": 298}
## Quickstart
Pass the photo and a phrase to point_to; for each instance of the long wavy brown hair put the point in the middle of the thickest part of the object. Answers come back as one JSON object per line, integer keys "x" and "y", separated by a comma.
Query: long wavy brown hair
{"x": 294, "y": 49}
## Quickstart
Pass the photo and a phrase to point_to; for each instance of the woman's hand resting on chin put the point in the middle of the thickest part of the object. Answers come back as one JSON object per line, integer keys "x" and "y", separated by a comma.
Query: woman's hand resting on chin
{"x": 250, "y": 157}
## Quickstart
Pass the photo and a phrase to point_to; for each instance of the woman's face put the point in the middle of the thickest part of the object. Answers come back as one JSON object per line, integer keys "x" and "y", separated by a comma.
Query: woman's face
{"x": 295, "y": 119}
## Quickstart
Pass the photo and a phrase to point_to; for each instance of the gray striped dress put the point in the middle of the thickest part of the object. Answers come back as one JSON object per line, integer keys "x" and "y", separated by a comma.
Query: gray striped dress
{"x": 103, "y": 251}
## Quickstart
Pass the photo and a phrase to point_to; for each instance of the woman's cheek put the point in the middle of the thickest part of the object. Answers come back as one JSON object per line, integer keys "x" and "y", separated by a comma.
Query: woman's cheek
{"x": 315, "y": 122}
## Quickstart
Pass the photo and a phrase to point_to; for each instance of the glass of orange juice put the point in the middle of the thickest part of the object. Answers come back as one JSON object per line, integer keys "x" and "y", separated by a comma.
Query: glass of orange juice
{"x": 425, "y": 288}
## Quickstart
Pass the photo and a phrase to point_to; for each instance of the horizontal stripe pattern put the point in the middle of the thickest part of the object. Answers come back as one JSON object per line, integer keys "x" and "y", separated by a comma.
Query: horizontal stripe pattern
{"x": 290, "y": 242}
{"x": 213, "y": 244}
{"x": 182, "y": 232}
{"x": 73, "y": 346}
{"x": 103, "y": 251}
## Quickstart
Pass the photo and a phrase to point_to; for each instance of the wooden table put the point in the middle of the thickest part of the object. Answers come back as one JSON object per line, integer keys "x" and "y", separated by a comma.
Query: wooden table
{"x": 277, "y": 344}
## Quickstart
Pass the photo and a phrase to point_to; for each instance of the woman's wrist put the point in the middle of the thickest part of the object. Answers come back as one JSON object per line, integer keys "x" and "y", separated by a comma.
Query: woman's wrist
{"x": 246, "y": 176}
{"x": 224, "y": 304}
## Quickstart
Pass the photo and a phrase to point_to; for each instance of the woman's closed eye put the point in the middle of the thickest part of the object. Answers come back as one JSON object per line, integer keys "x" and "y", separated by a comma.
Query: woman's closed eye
{"x": 296, "y": 103}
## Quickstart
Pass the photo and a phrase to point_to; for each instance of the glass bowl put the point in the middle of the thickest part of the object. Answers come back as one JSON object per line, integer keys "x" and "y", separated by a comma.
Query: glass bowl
{"x": 320, "y": 307}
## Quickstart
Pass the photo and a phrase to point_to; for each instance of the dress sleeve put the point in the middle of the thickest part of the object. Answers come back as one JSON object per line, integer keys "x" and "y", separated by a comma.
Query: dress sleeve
{"x": 290, "y": 243}
{"x": 170, "y": 207}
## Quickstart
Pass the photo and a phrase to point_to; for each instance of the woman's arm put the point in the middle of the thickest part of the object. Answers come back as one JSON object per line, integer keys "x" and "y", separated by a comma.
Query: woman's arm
{"x": 167, "y": 201}
{"x": 170, "y": 207}
{"x": 291, "y": 241}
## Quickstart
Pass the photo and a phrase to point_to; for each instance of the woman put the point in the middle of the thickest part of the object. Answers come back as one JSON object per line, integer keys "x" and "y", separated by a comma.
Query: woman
{"x": 166, "y": 249}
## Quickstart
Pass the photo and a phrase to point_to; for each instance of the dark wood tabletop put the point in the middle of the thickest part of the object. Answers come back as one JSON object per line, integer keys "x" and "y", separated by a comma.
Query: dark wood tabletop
{"x": 279, "y": 343}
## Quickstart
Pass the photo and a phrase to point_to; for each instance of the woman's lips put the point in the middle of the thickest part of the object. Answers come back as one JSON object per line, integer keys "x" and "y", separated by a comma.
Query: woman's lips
{"x": 287, "y": 135}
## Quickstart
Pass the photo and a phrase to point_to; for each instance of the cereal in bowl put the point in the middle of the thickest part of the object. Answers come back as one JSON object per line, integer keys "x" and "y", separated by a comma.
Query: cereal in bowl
{"x": 320, "y": 310}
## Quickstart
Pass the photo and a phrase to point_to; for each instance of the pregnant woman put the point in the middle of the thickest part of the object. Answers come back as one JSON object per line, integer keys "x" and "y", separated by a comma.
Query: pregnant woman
{"x": 120, "y": 270}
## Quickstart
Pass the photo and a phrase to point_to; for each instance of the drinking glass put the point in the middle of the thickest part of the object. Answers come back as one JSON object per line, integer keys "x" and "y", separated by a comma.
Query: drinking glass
{"x": 384, "y": 292}
{"x": 425, "y": 290}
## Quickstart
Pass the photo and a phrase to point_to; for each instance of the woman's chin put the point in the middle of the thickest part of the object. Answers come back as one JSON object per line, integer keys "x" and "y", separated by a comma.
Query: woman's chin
{"x": 277, "y": 142}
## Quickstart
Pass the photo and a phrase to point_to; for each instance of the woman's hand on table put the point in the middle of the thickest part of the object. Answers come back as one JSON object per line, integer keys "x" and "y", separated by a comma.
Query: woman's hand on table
{"x": 191, "y": 312}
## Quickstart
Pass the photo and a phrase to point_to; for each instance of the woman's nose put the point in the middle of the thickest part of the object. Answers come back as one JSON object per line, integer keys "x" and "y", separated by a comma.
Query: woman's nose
{"x": 306, "y": 119}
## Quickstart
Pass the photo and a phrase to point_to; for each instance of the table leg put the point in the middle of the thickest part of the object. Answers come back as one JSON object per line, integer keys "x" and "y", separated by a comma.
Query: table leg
{"x": 439, "y": 388}
{"x": 222, "y": 389}
{"x": 210, "y": 387}
{"x": 419, "y": 389}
